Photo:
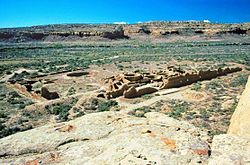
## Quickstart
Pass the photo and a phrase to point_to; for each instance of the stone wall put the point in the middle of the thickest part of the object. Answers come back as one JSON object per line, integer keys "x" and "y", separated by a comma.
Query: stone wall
{"x": 171, "y": 78}
{"x": 189, "y": 78}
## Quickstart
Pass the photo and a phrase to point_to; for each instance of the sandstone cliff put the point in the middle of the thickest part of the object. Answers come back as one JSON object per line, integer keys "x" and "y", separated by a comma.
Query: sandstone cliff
{"x": 73, "y": 32}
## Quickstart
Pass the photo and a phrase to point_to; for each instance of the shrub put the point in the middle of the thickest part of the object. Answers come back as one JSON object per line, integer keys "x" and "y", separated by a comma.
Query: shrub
{"x": 71, "y": 91}
{"x": 178, "y": 109}
{"x": 106, "y": 105}
{"x": 234, "y": 105}
{"x": 140, "y": 112}
{"x": 8, "y": 72}
{"x": 61, "y": 110}
{"x": 2, "y": 114}
{"x": 79, "y": 114}
{"x": 120, "y": 67}
{"x": 6, "y": 131}
{"x": 196, "y": 86}
{"x": 214, "y": 84}
{"x": 204, "y": 113}
{"x": 240, "y": 80}
{"x": 147, "y": 96}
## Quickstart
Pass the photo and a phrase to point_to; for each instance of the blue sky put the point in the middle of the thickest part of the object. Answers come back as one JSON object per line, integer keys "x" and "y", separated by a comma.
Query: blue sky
{"x": 17, "y": 13}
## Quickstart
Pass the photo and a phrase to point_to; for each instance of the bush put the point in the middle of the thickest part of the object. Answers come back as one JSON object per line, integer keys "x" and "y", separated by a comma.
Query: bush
{"x": 140, "y": 112}
{"x": 6, "y": 131}
{"x": 240, "y": 80}
{"x": 79, "y": 114}
{"x": 106, "y": 105}
{"x": 147, "y": 96}
{"x": 2, "y": 115}
{"x": 178, "y": 109}
{"x": 71, "y": 91}
{"x": 196, "y": 86}
{"x": 61, "y": 110}
{"x": 204, "y": 113}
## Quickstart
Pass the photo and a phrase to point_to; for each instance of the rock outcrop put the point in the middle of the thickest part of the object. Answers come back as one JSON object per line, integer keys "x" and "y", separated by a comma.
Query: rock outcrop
{"x": 240, "y": 123}
{"x": 109, "y": 138}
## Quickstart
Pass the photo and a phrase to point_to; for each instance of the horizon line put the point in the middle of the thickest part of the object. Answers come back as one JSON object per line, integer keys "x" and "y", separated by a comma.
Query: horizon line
{"x": 125, "y": 23}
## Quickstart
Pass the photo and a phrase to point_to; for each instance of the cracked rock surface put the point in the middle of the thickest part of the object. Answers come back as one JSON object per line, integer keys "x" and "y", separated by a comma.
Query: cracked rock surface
{"x": 109, "y": 138}
{"x": 229, "y": 150}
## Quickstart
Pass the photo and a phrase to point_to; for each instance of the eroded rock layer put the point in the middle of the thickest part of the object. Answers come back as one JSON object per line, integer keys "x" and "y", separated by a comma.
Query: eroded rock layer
{"x": 73, "y": 32}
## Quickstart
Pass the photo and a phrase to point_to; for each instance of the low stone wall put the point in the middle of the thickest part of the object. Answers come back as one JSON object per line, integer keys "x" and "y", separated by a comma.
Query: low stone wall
{"x": 187, "y": 78}
{"x": 117, "y": 93}
{"x": 77, "y": 74}
{"x": 133, "y": 92}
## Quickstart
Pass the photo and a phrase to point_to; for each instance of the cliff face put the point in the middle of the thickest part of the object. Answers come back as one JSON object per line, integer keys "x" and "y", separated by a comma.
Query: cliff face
{"x": 240, "y": 123}
{"x": 111, "y": 31}
{"x": 61, "y": 32}
{"x": 187, "y": 28}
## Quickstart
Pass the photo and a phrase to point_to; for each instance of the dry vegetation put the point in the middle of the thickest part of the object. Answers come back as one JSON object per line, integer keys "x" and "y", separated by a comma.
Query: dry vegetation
{"x": 27, "y": 67}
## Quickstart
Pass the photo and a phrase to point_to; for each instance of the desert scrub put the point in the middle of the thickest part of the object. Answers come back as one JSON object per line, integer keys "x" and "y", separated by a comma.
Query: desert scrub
{"x": 196, "y": 86}
{"x": 9, "y": 130}
{"x": 147, "y": 96}
{"x": 120, "y": 67}
{"x": 233, "y": 106}
{"x": 10, "y": 100}
{"x": 2, "y": 114}
{"x": 204, "y": 113}
{"x": 215, "y": 86}
{"x": 240, "y": 80}
{"x": 178, "y": 108}
{"x": 61, "y": 110}
{"x": 71, "y": 91}
{"x": 106, "y": 105}
{"x": 212, "y": 133}
{"x": 99, "y": 105}
{"x": 140, "y": 112}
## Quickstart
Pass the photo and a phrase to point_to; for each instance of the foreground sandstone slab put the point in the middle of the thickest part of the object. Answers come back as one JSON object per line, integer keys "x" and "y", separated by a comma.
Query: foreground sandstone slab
{"x": 109, "y": 138}
{"x": 230, "y": 150}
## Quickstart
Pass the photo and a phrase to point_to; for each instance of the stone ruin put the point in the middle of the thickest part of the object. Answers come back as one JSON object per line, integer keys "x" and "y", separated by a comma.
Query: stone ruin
{"x": 137, "y": 84}
{"x": 77, "y": 73}
{"x": 45, "y": 93}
